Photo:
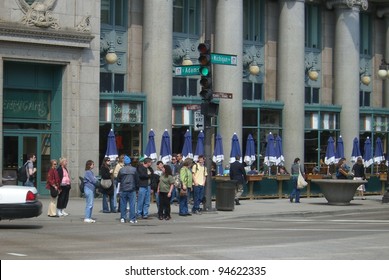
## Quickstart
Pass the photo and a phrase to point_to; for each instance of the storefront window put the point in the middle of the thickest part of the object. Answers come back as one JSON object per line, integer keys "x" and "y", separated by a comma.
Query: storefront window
{"x": 259, "y": 123}
{"x": 126, "y": 120}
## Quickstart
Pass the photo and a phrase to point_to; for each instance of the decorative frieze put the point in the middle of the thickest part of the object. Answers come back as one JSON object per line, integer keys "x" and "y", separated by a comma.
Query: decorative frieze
{"x": 348, "y": 3}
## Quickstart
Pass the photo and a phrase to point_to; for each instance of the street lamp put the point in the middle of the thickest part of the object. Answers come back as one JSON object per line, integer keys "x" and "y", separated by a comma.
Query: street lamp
{"x": 365, "y": 77}
{"x": 311, "y": 72}
{"x": 383, "y": 72}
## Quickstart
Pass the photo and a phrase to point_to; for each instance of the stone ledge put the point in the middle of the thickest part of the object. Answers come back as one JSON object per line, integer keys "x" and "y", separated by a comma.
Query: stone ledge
{"x": 15, "y": 32}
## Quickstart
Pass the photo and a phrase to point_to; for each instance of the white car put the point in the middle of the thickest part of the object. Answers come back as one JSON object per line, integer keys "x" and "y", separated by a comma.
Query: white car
{"x": 19, "y": 202}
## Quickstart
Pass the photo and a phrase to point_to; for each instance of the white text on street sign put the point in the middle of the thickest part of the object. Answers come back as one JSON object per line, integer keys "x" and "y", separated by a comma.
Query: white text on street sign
{"x": 191, "y": 70}
{"x": 198, "y": 121}
{"x": 193, "y": 107}
{"x": 225, "y": 59}
{"x": 222, "y": 95}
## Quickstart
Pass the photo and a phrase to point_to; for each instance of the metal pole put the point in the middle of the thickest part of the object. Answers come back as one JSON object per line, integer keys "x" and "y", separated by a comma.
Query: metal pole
{"x": 207, "y": 119}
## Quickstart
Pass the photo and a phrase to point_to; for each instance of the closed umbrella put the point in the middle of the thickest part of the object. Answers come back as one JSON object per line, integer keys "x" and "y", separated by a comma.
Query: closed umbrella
{"x": 330, "y": 153}
{"x": 187, "y": 149}
{"x": 199, "y": 146}
{"x": 235, "y": 149}
{"x": 165, "y": 155}
{"x": 280, "y": 160}
{"x": 356, "y": 152}
{"x": 218, "y": 154}
{"x": 112, "y": 151}
{"x": 249, "y": 157}
{"x": 378, "y": 152}
{"x": 270, "y": 154}
{"x": 367, "y": 154}
{"x": 151, "y": 151}
{"x": 339, "y": 154}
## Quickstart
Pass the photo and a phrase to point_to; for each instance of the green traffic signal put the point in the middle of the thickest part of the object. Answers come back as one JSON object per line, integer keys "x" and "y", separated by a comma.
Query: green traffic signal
{"x": 204, "y": 71}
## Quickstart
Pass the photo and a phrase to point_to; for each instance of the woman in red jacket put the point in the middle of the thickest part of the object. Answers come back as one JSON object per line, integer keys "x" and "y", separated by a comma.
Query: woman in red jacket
{"x": 53, "y": 184}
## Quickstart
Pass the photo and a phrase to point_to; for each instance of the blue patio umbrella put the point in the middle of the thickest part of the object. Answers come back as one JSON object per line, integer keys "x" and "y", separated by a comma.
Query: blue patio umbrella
{"x": 166, "y": 154}
{"x": 187, "y": 148}
{"x": 279, "y": 153}
{"x": 367, "y": 154}
{"x": 339, "y": 154}
{"x": 199, "y": 146}
{"x": 112, "y": 151}
{"x": 330, "y": 154}
{"x": 218, "y": 154}
{"x": 235, "y": 149}
{"x": 249, "y": 157}
{"x": 356, "y": 152}
{"x": 151, "y": 151}
{"x": 270, "y": 153}
{"x": 378, "y": 152}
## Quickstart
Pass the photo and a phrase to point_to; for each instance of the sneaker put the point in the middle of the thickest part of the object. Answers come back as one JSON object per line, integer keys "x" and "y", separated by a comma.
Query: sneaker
{"x": 133, "y": 221}
{"x": 89, "y": 221}
{"x": 122, "y": 220}
{"x": 59, "y": 213}
{"x": 65, "y": 213}
{"x": 145, "y": 217}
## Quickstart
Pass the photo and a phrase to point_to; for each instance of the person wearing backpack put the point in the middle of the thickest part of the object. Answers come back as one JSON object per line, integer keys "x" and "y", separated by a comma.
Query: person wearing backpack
{"x": 31, "y": 171}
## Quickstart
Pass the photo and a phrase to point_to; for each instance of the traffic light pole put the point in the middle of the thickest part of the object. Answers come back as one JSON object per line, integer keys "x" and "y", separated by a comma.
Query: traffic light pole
{"x": 209, "y": 12}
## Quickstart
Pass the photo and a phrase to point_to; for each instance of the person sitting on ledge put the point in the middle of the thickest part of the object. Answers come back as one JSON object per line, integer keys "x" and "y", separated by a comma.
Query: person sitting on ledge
{"x": 253, "y": 170}
{"x": 341, "y": 169}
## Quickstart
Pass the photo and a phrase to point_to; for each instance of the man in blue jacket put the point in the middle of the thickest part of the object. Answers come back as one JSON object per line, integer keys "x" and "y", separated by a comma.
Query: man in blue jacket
{"x": 128, "y": 179}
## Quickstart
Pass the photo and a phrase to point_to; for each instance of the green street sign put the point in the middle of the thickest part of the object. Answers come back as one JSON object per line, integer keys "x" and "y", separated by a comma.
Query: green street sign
{"x": 191, "y": 70}
{"x": 225, "y": 59}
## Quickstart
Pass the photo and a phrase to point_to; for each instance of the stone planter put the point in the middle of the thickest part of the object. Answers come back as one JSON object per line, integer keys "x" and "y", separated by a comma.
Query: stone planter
{"x": 338, "y": 191}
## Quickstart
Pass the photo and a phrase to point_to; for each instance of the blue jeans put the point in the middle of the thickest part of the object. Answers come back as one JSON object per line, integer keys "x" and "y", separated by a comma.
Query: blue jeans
{"x": 89, "y": 199}
{"x": 183, "y": 208}
{"x": 295, "y": 192}
{"x": 198, "y": 194}
{"x": 125, "y": 198}
{"x": 175, "y": 195}
{"x": 143, "y": 201}
{"x": 107, "y": 197}
{"x": 115, "y": 195}
{"x": 29, "y": 183}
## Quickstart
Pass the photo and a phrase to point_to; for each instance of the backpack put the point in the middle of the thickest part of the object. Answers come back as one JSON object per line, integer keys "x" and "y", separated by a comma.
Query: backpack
{"x": 22, "y": 173}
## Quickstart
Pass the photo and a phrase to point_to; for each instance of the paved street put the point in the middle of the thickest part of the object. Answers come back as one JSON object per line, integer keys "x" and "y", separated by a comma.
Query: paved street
{"x": 258, "y": 229}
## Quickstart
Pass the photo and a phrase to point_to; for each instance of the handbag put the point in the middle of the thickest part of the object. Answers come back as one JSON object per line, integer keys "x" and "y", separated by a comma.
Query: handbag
{"x": 53, "y": 192}
{"x": 183, "y": 192}
{"x": 106, "y": 183}
{"x": 301, "y": 183}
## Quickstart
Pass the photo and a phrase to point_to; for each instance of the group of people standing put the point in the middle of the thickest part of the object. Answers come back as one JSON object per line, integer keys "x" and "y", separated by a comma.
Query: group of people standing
{"x": 58, "y": 183}
{"x": 135, "y": 182}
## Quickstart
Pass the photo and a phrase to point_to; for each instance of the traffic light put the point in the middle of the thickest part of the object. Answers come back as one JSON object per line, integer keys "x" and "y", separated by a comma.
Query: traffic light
{"x": 205, "y": 71}
{"x": 209, "y": 109}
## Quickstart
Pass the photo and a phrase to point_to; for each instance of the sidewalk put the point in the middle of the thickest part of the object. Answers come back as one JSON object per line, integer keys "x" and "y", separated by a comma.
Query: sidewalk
{"x": 260, "y": 208}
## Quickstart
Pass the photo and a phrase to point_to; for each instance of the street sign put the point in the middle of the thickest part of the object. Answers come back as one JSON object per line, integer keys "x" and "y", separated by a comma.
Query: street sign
{"x": 222, "y": 95}
{"x": 225, "y": 59}
{"x": 198, "y": 121}
{"x": 193, "y": 107}
{"x": 190, "y": 70}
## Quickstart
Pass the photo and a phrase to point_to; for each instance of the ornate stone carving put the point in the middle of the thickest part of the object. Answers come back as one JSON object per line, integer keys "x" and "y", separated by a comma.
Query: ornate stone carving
{"x": 84, "y": 25}
{"x": 349, "y": 3}
{"x": 39, "y": 13}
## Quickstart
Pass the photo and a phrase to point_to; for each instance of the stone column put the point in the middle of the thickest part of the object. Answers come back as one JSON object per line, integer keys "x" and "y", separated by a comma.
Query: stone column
{"x": 346, "y": 68}
{"x": 157, "y": 62}
{"x": 229, "y": 16}
{"x": 291, "y": 77}
{"x": 385, "y": 13}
